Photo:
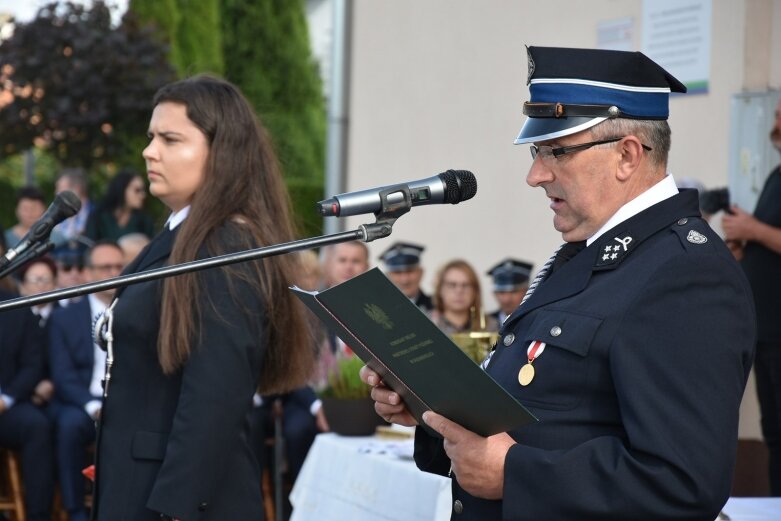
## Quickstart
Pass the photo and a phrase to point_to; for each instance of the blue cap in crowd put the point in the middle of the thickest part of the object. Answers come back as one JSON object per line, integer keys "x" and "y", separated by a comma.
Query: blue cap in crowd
{"x": 510, "y": 274}
{"x": 574, "y": 89}
{"x": 402, "y": 256}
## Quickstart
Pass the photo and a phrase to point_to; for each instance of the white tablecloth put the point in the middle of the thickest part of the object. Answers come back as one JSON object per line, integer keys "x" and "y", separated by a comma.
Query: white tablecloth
{"x": 349, "y": 478}
{"x": 753, "y": 508}
{"x": 362, "y": 478}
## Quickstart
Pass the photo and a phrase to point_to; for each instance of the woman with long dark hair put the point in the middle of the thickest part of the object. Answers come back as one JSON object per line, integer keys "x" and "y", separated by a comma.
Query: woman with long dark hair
{"x": 122, "y": 209}
{"x": 188, "y": 353}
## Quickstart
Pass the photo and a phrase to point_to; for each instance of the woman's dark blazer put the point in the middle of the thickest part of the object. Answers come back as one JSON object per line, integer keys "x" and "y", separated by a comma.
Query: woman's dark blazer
{"x": 178, "y": 444}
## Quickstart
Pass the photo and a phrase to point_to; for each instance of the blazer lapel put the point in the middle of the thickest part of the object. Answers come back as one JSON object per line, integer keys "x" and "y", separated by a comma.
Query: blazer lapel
{"x": 569, "y": 279}
{"x": 158, "y": 249}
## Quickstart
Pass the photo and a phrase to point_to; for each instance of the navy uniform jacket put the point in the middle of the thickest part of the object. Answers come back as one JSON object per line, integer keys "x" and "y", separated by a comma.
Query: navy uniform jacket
{"x": 72, "y": 353}
{"x": 638, "y": 388}
{"x": 21, "y": 352}
{"x": 179, "y": 444}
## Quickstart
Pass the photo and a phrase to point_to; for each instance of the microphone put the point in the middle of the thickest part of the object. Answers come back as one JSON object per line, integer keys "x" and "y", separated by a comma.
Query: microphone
{"x": 65, "y": 205}
{"x": 450, "y": 187}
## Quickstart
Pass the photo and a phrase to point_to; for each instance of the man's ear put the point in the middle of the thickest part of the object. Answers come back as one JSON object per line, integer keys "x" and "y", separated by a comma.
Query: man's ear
{"x": 631, "y": 155}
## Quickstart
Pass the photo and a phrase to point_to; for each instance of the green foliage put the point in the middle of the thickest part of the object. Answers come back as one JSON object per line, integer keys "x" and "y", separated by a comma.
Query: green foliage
{"x": 267, "y": 54}
{"x": 191, "y": 30}
{"x": 75, "y": 86}
{"x": 198, "y": 37}
{"x": 304, "y": 193}
{"x": 163, "y": 16}
{"x": 344, "y": 382}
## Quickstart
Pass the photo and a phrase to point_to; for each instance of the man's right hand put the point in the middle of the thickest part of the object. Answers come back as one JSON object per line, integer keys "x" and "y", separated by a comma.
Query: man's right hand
{"x": 387, "y": 403}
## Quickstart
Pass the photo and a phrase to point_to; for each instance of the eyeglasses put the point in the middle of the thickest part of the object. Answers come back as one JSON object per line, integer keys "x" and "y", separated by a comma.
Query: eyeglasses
{"x": 108, "y": 267}
{"x": 139, "y": 190}
{"x": 547, "y": 151}
{"x": 38, "y": 281}
{"x": 454, "y": 286}
{"x": 68, "y": 267}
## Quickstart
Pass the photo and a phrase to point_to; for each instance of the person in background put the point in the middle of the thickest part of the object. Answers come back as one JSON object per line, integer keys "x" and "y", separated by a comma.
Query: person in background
{"x": 510, "y": 280}
{"x": 40, "y": 276}
{"x": 402, "y": 266}
{"x": 77, "y": 368}
{"x": 302, "y": 412}
{"x": 132, "y": 244}
{"x": 458, "y": 305}
{"x": 74, "y": 180}
{"x": 755, "y": 240}
{"x": 30, "y": 206}
{"x": 343, "y": 261}
{"x": 24, "y": 427}
{"x": 122, "y": 209}
{"x": 70, "y": 265}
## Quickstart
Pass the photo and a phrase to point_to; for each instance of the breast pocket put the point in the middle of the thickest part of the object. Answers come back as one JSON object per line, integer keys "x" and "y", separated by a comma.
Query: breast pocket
{"x": 561, "y": 369}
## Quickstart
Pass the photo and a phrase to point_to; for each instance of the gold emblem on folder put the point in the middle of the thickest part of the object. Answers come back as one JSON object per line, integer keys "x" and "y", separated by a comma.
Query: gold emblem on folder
{"x": 375, "y": 312}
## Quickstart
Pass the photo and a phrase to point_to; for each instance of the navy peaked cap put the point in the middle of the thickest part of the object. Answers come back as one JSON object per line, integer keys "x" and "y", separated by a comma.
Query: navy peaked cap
{"x": 510, "y": 274}
{"x": 574, "y": 89}
{"x": 402, "y": 256}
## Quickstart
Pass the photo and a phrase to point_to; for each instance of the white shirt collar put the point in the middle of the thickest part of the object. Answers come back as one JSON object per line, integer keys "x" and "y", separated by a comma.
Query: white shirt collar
{"x": 176, "y": 218}
{"x": 96, "y": 306}
{"x": 662, "y": 190}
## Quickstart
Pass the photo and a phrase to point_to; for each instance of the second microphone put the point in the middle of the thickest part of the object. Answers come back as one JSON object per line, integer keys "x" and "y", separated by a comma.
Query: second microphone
{"x": 449, "y": 187}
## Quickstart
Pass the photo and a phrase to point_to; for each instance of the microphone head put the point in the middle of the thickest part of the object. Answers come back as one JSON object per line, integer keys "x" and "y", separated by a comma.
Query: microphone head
{"x": 68, "y": 204}
{"x": 460, "y": 185}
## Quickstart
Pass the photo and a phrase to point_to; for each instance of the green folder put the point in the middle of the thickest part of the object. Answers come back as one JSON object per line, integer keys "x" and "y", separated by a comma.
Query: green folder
{"x": 413, "y": 357}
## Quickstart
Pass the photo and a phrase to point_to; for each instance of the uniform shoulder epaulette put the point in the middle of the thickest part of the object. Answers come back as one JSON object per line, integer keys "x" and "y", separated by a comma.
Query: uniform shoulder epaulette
{"x": 693, "y": 234}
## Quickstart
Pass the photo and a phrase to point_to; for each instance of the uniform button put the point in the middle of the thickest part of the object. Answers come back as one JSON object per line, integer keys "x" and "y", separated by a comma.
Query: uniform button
{"x": 682, "y": 221}
{"x": 458, "y": 507}
{"x": 555, "y": 331}
{"x": 509, "y": 339}
{"x": 203, "y": 506}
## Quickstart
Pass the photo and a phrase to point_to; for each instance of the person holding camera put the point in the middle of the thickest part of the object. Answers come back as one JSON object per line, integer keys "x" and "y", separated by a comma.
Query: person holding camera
{"x": 755, "y": 240}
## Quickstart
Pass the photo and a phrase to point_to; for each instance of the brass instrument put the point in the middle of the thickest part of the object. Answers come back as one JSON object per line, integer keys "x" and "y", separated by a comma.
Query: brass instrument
{"x": 477, "y": 342}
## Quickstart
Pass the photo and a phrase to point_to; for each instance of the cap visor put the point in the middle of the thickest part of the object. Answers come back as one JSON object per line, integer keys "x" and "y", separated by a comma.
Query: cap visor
{"x": 543, "y": 129}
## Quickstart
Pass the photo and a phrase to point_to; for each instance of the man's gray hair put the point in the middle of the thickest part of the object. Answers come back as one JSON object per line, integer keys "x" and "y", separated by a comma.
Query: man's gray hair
{"x": 654, "y": 133}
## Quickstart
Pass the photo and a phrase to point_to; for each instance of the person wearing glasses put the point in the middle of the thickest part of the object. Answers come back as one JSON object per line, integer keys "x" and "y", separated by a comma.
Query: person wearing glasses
{"x": 77, "y": 367}
{"x": 40, "y": 276}
{"x": 458, "y": 301}
{"x": 122, "y": 209}
{"x": 632, "y": 345}
{"x": 186, "y": 354}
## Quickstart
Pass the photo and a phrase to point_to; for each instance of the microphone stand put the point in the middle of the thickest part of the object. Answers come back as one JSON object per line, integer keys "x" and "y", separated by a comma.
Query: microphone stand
{"x": 386, "y": 217}
{"x": 31, "y": 254}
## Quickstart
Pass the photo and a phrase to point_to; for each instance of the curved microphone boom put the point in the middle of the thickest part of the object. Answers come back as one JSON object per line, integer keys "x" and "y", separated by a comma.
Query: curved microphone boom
{"x": 66, "y": 204}
{"x": 449, "y": 187}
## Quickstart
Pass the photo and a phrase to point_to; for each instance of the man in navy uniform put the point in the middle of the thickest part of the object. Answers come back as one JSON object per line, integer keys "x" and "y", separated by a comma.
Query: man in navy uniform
{"x": 632, "y": 347}
{"x": 402, "y": 266}
{"x": 510, "y": 280}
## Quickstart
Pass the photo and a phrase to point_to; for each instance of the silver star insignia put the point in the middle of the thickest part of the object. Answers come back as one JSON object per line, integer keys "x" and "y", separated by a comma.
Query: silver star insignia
{"x": 613, "y": 256}
{"x": 605, "y": 257}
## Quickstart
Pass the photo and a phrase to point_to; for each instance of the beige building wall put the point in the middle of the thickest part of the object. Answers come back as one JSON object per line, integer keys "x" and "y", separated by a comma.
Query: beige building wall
{"x": 439, "y": 84}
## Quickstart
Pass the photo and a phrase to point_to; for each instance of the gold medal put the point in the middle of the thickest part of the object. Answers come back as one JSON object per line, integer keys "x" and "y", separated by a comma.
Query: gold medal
{"x": 526, "y": 374}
